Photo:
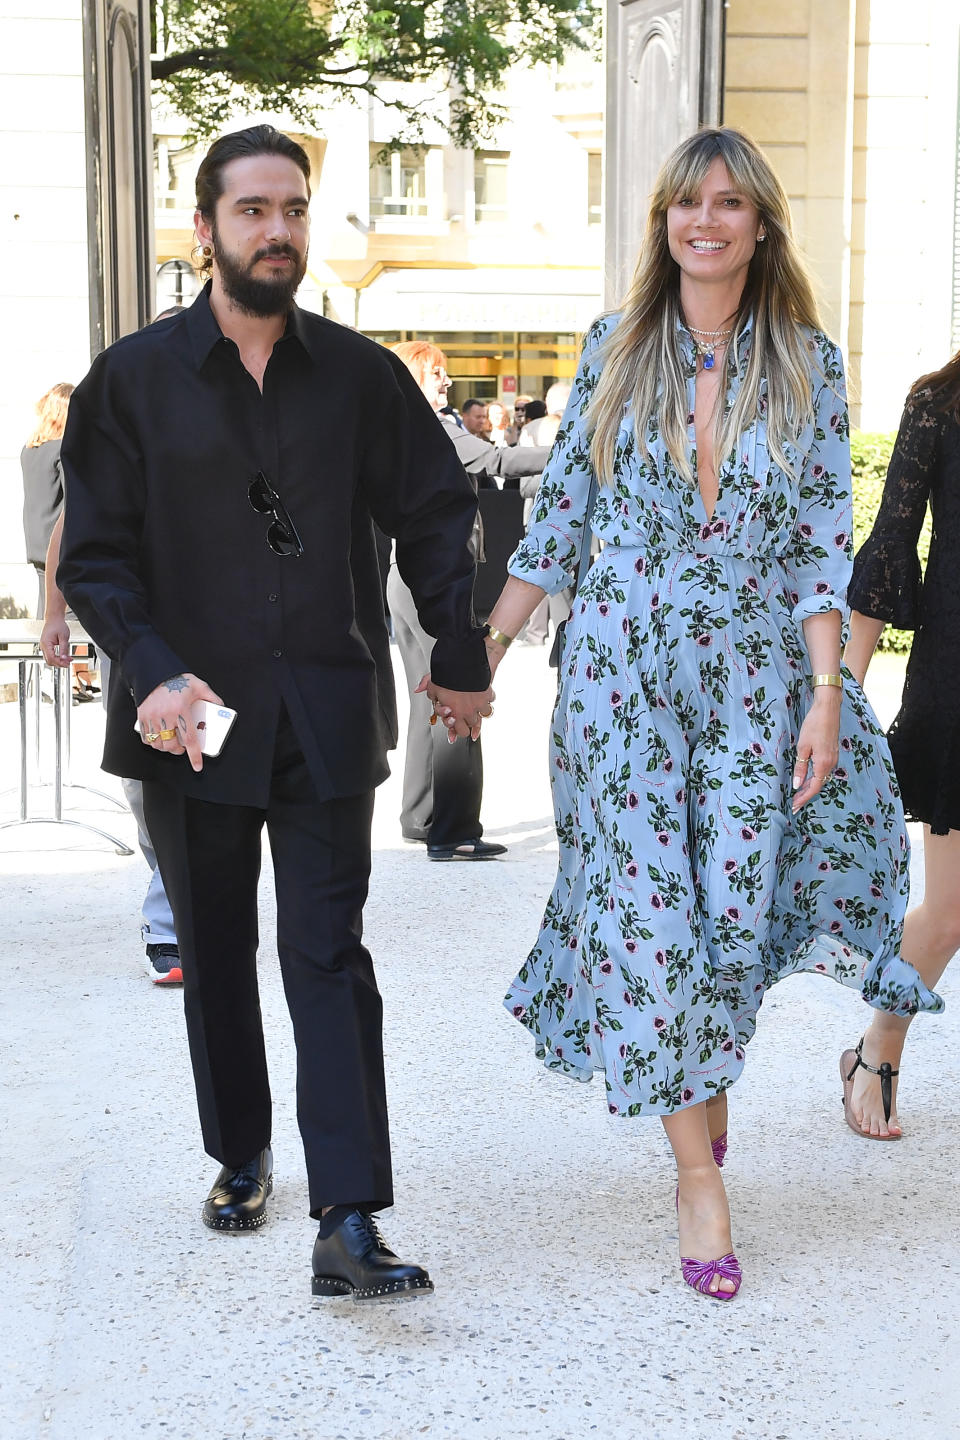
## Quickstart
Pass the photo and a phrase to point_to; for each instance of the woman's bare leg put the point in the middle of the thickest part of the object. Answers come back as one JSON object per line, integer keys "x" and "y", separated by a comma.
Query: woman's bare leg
{"x": 717, "y": 1115}
{"x": 931, "y": 936}
{"x": 702, "y": 1211}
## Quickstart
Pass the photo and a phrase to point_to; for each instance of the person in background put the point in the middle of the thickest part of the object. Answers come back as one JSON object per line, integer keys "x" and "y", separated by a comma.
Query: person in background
{"x": 43, "y": 503}
{"x": 542, "y": 430}
{"x": 474, "y": 416}
{"x": 498, "y": 419}
{"x": 710, "y": 843}
{"x": 519, "y": 418}
{"x": 887, "y": 590}
{"x": 43, "y": 478}
{"x": 443, "y": 783}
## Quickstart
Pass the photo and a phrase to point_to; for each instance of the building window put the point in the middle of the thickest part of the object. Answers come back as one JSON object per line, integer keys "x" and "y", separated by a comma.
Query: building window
{"x": 398, "y": 184}
{"x": 594, "y": 187}
{"x": 490, "y": 185}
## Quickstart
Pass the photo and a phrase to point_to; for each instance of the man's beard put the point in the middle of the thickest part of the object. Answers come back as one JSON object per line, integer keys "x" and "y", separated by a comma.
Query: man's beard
{"x": 255, "y": 296}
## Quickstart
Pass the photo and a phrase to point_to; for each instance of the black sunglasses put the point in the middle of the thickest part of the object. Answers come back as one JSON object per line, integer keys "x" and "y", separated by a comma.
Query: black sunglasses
{"x": 282, "y": 534}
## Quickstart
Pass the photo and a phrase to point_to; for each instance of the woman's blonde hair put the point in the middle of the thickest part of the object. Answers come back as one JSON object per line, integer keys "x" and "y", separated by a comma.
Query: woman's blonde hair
{"x": 51, "y": 414}
{"x": 643, "y": 358}
{"x": 419, "y": 356}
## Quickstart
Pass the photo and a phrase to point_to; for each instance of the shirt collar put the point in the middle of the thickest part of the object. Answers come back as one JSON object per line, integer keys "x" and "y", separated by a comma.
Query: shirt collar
{"x": 205, "y": 333}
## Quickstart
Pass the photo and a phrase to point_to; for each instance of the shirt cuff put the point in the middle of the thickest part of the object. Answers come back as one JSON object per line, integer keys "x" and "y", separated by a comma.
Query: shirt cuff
{"x": 147, "y": 663}
{"x": 460, "y": 664}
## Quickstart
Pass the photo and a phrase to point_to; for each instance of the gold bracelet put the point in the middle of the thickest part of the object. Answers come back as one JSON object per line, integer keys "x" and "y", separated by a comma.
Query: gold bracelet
{"x": 498, "y": 637}
{"x": 836, "y": 680}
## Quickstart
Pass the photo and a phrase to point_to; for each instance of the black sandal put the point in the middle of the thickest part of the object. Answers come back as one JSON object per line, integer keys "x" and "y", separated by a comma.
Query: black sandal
{"x": 886, "y": 1073}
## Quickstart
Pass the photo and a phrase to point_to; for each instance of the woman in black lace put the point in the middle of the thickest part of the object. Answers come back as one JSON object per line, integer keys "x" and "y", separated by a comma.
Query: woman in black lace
{"x": 925, "y": 737}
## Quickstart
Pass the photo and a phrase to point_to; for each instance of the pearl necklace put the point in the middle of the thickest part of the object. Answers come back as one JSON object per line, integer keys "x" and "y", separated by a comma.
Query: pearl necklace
{"x": 706, "y": 341}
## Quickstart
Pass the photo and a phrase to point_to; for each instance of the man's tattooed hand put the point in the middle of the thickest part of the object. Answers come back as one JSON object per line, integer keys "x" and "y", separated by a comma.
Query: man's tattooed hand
{"x": 177, "y": 682}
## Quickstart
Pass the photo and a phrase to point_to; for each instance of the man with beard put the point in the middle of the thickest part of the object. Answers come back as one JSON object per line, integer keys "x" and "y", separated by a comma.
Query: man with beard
{"x": 223, "y": 477}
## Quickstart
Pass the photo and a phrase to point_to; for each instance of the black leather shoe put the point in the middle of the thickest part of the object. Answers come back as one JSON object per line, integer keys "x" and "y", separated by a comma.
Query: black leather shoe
{"x": 238, "y": 1200}
{"x": 356, "y": 1260}
{"x": 466, "y": 850}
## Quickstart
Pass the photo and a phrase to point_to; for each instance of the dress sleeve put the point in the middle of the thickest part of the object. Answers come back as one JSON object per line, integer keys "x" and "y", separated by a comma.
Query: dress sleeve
{"x": 548, "y": 554}
{"x": 819, "y": 558}
{"x": 886, "y": 581}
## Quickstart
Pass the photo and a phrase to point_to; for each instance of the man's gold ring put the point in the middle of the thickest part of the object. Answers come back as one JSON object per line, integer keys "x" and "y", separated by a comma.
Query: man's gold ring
{"x": 150, "y": 736}
{"x": 166, "y": 734}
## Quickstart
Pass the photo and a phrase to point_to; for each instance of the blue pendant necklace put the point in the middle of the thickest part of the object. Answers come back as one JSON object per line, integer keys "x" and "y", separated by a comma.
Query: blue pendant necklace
{"x": 706, "y": 341}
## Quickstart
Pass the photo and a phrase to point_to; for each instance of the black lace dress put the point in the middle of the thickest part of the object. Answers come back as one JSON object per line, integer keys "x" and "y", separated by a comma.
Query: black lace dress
{"x": 887, "y": 585}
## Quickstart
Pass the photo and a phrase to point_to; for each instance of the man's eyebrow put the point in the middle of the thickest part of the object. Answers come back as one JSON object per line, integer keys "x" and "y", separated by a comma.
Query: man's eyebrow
{"x": 265, "y": 200}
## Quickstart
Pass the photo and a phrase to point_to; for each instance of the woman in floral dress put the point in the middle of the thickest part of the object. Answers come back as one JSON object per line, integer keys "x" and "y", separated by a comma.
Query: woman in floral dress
{"x": 725, "y": 806}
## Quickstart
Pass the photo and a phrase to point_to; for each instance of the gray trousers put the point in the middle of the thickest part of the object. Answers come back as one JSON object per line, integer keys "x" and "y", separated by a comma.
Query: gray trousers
{"x": 442, "y": 783}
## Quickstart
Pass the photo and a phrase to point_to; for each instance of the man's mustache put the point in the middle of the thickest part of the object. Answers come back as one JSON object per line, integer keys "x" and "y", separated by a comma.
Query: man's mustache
{"x": 276, "y": 250}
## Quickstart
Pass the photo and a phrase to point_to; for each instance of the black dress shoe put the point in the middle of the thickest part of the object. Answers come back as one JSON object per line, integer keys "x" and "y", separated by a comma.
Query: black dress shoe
{"x": 238, "y": 1200}
{"x": 356, "y": 1260}
{"x": 466, "y": 850}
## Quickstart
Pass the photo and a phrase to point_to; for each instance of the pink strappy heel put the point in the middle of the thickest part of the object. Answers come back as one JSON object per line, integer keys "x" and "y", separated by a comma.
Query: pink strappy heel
{"x": 699, "y": 1273}
{"x": 719, "y": 1148}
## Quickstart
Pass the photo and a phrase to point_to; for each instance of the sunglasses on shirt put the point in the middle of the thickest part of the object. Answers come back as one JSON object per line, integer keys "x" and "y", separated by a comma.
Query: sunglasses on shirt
{"x": 282, "y": 534}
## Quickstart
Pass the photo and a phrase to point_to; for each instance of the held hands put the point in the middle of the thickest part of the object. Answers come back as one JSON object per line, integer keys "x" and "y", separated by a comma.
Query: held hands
{"x": 817, "y": 746}
{"x": 165, "y": 718}
{"x": 460, "y": 710}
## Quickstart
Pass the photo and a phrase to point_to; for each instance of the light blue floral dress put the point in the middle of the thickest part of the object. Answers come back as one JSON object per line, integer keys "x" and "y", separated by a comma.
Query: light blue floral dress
{"x": 685, "y": 887}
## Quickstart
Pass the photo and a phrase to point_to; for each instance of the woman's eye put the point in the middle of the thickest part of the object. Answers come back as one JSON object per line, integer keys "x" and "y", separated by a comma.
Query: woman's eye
{"x": 733, "y": 201}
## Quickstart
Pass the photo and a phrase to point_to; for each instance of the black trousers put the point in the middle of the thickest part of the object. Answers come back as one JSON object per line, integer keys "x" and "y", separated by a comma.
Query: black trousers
{"x": 209, "y": 857}
{"x": 442, "y": 783}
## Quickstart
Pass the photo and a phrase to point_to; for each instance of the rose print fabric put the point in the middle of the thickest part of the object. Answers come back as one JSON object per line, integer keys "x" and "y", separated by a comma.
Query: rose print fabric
{"x": 685, "y": 887}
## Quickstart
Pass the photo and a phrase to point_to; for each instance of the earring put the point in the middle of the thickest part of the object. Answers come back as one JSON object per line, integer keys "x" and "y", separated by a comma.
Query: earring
{"x": 761, "y": 238}
{"x": 206, "y": 251}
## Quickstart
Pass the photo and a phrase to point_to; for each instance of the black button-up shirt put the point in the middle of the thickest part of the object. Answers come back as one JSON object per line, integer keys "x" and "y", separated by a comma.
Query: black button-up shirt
{"x": 167, "y": 565}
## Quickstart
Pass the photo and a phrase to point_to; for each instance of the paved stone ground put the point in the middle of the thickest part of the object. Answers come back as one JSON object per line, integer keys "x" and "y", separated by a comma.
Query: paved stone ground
{"x": 548, "y": 1227}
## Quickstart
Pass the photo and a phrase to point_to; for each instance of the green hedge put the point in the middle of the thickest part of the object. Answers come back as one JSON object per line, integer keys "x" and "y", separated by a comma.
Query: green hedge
{"x": 869, "y": 456}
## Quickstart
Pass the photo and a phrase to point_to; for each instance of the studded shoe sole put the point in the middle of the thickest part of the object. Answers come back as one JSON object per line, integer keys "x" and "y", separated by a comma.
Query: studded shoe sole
{"x": 234, "y": 1224}
{"x": 390, "y": 1290}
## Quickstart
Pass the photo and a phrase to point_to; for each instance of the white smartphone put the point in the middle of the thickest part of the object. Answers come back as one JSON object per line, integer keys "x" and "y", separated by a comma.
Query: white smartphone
{"x": 213, "y": 723}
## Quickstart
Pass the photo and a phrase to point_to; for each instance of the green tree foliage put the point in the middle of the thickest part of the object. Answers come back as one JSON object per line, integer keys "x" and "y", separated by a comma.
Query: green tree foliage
{"x": 869, "y": 458}
{"x": 299, "y": 56}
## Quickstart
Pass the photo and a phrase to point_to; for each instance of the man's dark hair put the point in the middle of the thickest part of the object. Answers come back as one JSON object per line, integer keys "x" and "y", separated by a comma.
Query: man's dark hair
{"x": 535, "y": 410}
{"x": 256, "y": 140}
{"x": 469, "y": 404}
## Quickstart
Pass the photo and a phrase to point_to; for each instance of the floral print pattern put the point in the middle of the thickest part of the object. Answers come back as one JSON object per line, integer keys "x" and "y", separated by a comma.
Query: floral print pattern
{"x": 685, "y": 886}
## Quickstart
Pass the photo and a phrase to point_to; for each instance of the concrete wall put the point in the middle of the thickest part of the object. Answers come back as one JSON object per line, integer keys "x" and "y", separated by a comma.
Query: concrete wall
{"x": 855, "y": 102}
{"x": 905, "y": 146}
{"x": 43, "y": 238}
{"x": 789, "y": 71}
